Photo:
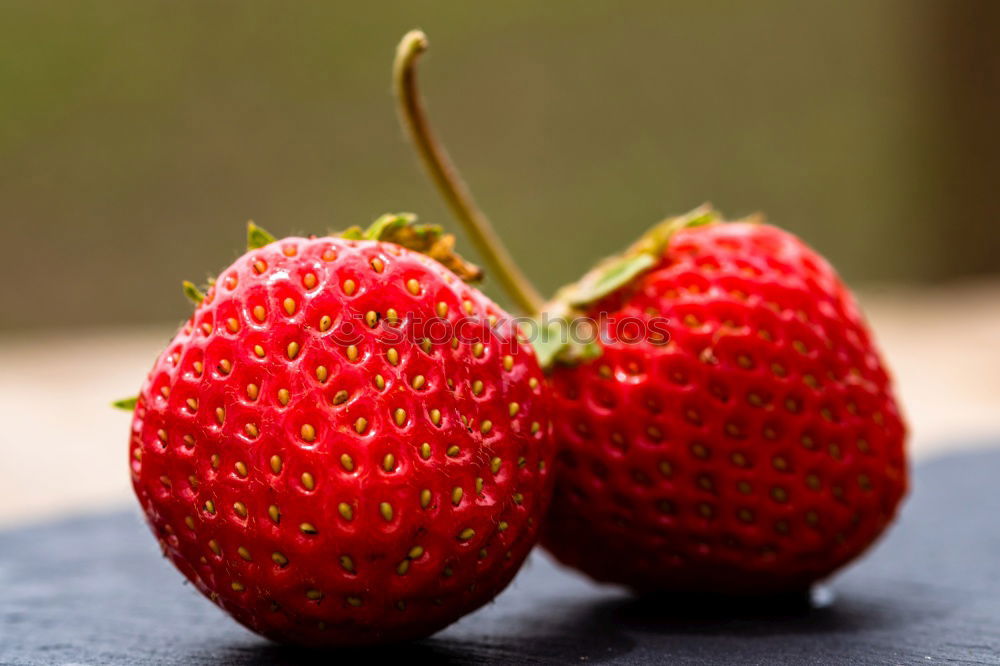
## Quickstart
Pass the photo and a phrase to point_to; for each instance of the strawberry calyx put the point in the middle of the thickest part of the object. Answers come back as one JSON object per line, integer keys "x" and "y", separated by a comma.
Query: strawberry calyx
{"x": 606, "y": 277}
{"x": 427, "y": 239}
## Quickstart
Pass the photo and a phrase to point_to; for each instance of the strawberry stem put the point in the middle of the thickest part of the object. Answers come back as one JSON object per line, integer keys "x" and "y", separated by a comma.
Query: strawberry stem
{"x": 448, "y": 181}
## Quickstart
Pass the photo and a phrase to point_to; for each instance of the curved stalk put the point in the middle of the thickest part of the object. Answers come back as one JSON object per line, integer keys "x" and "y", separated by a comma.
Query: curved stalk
{"x": 449, "y": 182}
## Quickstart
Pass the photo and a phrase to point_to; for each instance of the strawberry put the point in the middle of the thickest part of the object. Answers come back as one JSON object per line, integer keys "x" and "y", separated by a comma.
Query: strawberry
{"x": 345, "y": 444}
{"x": 728, "y": 427}
{"x": 747, "y": 442}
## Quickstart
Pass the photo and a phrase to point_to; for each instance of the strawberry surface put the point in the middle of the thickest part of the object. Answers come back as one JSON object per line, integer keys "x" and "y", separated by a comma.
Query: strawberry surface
{"x": 754, "y": 448}
{"x": 325, "y": 466}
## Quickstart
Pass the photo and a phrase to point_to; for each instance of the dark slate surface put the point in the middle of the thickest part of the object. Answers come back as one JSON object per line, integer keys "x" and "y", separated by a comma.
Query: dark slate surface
{"x": 95, "y": 591}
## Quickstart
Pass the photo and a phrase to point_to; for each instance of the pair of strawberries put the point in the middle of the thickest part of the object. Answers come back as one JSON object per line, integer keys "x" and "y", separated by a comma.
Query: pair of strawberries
{"x": 348, "y": 444}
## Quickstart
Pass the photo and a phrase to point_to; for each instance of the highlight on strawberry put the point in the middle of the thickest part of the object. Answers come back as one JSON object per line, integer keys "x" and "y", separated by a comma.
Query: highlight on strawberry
{"x": 319, "y": 468}
{"x": 754, "y": 449}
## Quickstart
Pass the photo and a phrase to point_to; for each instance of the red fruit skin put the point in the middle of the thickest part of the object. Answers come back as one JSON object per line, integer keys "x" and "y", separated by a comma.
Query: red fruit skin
{"x": 757, "y": 451}
{"x": 211, "y": 455}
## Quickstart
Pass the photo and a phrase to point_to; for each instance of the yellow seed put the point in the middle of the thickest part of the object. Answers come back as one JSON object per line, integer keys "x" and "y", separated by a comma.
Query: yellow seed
{"x": 325, "y": 323}
{"x": 377, "y": 265}
{"x": 251, "y": 430}
{"x": 467, "y": 305}
{"x": 347, "y": 462}
{"x": 244, "y": 553}
{"x": 347, "y": 563}
{"x": 308, "y": 481}
{"x": 456, "y": 495}
{"x": 321, "y": 373}
{"x": 309, "y": 280}
{"x": 379, "y": 382}
{"x": 467, "y": 534}
{"x": 403, "y": 567}
{"x": 241, "y": 509}
{"x": 210, "y": 507}
{"x": 425, "y": 498}
{"x": 259, "y": 313}
{"x": 389, "y": 462}
{"x": 349, "y": 287}
{"x": 283, "y": 396}
{"x": 279, "y": 559}
{"x": 314, "y": 595}
{"x": 308, "y": 432}
{"x": 436, "y": 416}
{"x": 289, "y": 306}
{"x": 518, "y": 498}
{"x": 352, "y": 353}
{"x": 477, "y": 349}
{"x": 399, "y": 416}
{"x": 477, "y": 387}
{"x": 415, "y": 552}
{"x": 189, "y": 521}
{"x": 533, "y": 383}
{"x": 535, "y": 427}
{"x": 260, "y": 266}
{"x": 361, "y": 425}
{"x": 425, "y": 450}
{"x": 192, "y": 403}
{"x": 215, "y": 460}
{"x": 502, "y": 525}
{"x": 198, "y": 367}
{"x": 354, "y": 601}
{"x": 453, "y": 451}
{"x": 393, "y": 356}
{"x": 237, "y": 586}
{"x": 232, "y": 324}
{"x": 241, "y": 468}
{"x": 224, "y": 366}
{"x": 259, "y": 351}
{"x": 214, "y": 545}
{"x": 413, "y": 286}
{"x": 486, "y": 426}
{"x": 293, "y": 350}
{"x": 371, "y": 318}
{"x": 276, "y": 464}
{"x": 273, "y": 512}
{"x": 386, "y": 510}
{"x": 253, "y": 391}
{"x": 508, "y": 362}
{"x": 308, "y": 528}
{"x": 479, "y": 485}
{"x": 442, "y": 309}
{"x": 513, "y": 408}
{"x": 392, "y": 316}
{"x": 495, "y": 465}
{"x": 418, "y": 382}
{"x": 345, "y": 511}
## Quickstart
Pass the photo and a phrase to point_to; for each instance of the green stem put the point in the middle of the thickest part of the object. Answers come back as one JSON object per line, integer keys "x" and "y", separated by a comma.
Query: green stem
{"x": 448, "y": 181}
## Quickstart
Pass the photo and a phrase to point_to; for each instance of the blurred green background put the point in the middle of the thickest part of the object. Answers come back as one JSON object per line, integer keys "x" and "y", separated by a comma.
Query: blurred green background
{"x": 136, "y": 138}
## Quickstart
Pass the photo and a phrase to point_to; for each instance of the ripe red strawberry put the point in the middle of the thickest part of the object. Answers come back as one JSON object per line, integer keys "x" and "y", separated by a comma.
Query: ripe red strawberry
{"x": 325, "y": 464}
{"x": 754, "y": 448}
{"x": 733, "y": 430}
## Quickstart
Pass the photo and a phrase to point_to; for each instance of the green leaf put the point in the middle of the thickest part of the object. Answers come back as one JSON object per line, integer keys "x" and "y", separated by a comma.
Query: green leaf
{"x": 128, "y": 404}
{"x": 386, "y": 224}
{"x": 194, "y": 294}
{"x": 611, "y": 277}
{"x": 257, "y": 237}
